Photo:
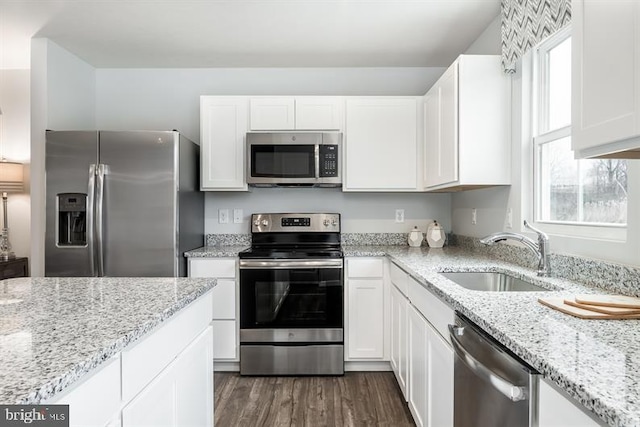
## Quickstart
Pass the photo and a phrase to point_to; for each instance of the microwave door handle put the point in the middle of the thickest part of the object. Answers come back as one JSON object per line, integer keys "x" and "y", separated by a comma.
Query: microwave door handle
{"x": 317, "y": 160}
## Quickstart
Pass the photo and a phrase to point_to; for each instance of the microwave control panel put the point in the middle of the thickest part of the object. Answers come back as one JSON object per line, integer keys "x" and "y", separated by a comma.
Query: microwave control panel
{"x": 328, "y": 161}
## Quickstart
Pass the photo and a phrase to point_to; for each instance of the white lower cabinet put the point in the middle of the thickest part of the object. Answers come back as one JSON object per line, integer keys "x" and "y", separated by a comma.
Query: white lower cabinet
{"x": 421, "y": 355}
{"x": 558, "y": 410}
{"x": 441, "y": 359}
{"x": 418, "y": 367}
{"x": 398, "y": 353}
{"x": 179, "y": 395}
{"x": 366, "y": 313}
{"x": 225, "y": 307}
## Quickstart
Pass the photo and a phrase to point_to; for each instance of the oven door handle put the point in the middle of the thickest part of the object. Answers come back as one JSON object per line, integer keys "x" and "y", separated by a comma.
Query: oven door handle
{"x": 511, "y": 391}
{"x": 289, "y": 264}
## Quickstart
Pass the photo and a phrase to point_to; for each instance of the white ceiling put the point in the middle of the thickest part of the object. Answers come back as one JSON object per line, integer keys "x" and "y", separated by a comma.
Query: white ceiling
{"x": 247, "y": 33}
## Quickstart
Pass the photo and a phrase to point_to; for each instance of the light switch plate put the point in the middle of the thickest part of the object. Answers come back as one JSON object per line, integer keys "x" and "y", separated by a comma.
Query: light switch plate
{"x": 223, "y": 216}
{"x": 474, "y": 216}
{"x": 237, "y": 216}
{"x": 399, "y": 215}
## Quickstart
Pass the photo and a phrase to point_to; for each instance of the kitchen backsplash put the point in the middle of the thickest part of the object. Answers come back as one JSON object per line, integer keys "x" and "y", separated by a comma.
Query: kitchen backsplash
{"x": 227, "y": 239}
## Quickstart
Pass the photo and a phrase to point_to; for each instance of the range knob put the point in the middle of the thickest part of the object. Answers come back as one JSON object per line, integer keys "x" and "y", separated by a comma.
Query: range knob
{"x": 326, "y": 222}
{"x": 265, "y": 222}
{"x": 334, "y": 222}
{"x": 256, "y": 222}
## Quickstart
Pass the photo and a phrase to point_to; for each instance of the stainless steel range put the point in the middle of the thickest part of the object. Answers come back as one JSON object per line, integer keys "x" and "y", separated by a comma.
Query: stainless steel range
{"x": 291, "y": 296}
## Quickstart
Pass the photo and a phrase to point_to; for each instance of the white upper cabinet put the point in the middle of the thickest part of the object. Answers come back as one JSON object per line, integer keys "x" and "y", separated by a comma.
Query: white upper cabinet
{"x": 223, "y": 128}
{"x": 467, "y": 116}
{"x": 296, "y": 113}
{"x": 272, "y": 113}
{"x": 381, "y": 144}
{"x": 319, "y": 113}
{"x": 606, "y": 78}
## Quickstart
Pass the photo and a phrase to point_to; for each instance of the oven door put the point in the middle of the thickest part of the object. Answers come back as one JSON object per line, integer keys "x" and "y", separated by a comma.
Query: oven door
{"x": 291, "y": 300}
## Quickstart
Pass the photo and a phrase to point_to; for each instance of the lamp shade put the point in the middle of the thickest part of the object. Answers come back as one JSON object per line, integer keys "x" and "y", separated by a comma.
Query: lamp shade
{"x": 11, "y": 177}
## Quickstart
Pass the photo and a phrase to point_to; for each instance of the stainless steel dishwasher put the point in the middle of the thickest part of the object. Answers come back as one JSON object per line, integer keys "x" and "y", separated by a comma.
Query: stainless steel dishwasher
{"x": 492, "y": 387}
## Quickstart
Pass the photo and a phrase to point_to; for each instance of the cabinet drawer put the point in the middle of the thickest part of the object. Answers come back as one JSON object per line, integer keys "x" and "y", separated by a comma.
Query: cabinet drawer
{"x": 206, "y": 267}
{"x": 439, "y": 314}
{"x": 96, "y": 400}
{"x": 145, "y": 360}
{"x": 224, "y": 299}
{"x": 399, "y": 278}
{"x": 365, "y": 267}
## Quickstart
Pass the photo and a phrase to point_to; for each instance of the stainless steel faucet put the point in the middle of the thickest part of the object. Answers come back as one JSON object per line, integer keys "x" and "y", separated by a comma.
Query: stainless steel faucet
{"x": 541, "y": 248}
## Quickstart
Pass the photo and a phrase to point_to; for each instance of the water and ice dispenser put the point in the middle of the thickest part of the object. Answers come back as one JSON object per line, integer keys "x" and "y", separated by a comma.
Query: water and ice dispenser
{"x": 72, "y": 219}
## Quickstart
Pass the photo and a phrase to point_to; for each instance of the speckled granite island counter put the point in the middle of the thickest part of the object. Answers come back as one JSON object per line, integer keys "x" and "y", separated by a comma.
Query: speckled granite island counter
{"x": 595, "y": 361}
{"x": 55, "y": 331}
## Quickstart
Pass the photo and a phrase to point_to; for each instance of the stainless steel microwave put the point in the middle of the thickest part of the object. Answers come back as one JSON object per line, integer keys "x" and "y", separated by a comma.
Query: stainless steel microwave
{"x": 294, "y": 159}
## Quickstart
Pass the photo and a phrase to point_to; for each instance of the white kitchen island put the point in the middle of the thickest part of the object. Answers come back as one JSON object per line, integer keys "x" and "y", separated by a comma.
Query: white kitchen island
{"x": 119, "y": 351}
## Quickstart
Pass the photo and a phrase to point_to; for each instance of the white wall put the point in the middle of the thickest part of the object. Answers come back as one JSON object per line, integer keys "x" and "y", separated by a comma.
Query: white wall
{"x": 489, "y": 41}
{"x": 361, "y": 212}
{"x": 15, "y": 146}
{"x": 169, "y": 99}
{"x": 62, "y": 98}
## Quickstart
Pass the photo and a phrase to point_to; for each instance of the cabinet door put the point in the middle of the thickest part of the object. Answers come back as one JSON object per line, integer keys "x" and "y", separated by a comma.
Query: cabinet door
{"x": 182, "y": 394}
{"x": 225, "y": 340}
{"x": 381, "y": 144}
{"x": 448, "y": 156}
{"x": 319, "y": 113}
{"x": 399, "y": 341}
{"x": 223, "y": 126}
{"x": 418, "y": 368}
{"x": 366, "y": 317}
{"x": 440, "y": 380}
{"x": 558, "y": 410}
{"x": 605, "y": 74}
{"x": 273, "y": 113}
{"x": 441, "y": 130}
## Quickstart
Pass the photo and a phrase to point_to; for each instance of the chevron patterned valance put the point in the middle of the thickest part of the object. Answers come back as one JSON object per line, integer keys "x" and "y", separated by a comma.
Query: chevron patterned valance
{"x": 527, "y": 22}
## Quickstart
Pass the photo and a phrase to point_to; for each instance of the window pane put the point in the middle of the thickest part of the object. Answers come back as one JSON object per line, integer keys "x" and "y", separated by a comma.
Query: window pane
{"x": 589, "y": 191}
{"x": 604, "y": 190}
{"x": 558, "y": 182}
{"x": 559, "y": 87}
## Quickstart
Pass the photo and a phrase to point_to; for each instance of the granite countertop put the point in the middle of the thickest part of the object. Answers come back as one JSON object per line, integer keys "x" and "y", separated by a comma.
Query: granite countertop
{"x": 595, "y": 361}
{"x": 53, "y": 331}
{"x": 216, "y": 251}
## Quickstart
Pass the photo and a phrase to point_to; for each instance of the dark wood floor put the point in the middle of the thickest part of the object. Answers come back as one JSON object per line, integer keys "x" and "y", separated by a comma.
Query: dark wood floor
{"x": 356, "y": 399}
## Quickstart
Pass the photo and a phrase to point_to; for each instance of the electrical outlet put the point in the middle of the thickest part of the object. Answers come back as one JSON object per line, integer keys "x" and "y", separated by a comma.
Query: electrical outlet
{"x": 509, "y": 218}
{"x": 474, "y": 216}
{"x": 223, "y": 216}
{"x": 237, "y": 216}
{"x": 399, "y": 215}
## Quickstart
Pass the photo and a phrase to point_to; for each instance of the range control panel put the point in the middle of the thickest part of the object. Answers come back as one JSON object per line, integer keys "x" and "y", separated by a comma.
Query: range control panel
{"x": 307, "y": 223}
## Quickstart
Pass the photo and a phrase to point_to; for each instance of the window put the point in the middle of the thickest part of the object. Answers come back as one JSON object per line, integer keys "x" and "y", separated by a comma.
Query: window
{"x": 569, "y": 191}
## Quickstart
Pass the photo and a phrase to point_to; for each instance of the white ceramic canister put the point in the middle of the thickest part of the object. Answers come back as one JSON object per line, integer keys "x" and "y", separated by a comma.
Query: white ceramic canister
{"x": 415, "y": 237}
{"x": 435, "y": 235}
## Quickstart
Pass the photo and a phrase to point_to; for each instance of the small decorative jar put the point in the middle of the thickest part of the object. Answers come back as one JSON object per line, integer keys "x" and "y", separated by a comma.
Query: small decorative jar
{"x": 415, "y": 237}
{"x": 435, "y": 235}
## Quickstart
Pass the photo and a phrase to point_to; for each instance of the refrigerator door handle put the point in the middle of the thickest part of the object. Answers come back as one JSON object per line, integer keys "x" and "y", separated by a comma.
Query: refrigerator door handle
{"x": 91, "y": 198}
{"x": 100, "y": 174}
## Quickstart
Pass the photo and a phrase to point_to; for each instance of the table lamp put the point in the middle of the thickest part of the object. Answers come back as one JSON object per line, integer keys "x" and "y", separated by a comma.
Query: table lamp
{"x": 11, "y": 181}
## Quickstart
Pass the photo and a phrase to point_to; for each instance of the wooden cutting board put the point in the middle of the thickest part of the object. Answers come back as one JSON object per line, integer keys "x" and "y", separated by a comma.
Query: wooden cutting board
{"x": 560, "y": 305}
{"x": 609, "y": 300}
{"x": 603, "y": 308}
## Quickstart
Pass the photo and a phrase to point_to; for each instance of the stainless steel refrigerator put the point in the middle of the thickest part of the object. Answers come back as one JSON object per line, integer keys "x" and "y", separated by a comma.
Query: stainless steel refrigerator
{"x": 123, "y": 204}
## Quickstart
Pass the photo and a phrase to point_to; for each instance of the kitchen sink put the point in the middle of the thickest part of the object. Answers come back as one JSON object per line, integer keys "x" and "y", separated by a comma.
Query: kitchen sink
{"x": 491, "y": 282}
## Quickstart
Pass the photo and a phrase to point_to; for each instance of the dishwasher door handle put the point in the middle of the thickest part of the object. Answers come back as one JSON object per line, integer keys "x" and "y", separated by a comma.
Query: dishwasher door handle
{"x": 513, "y": 392}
